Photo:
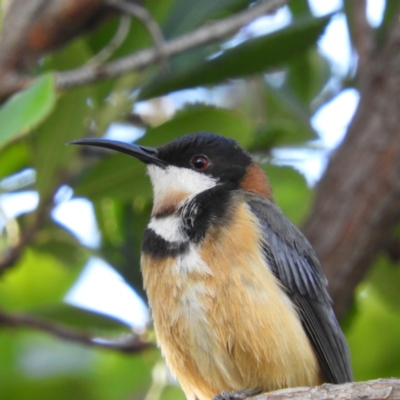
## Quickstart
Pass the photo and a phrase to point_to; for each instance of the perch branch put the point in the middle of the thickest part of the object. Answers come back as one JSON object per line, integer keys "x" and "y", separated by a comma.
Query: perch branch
{"x": 380, "y": 389}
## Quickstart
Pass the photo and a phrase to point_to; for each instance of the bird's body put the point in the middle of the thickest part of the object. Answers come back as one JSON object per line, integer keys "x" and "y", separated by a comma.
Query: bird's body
{"x": 222, "y": 318}
{"x": 238, "y": 298}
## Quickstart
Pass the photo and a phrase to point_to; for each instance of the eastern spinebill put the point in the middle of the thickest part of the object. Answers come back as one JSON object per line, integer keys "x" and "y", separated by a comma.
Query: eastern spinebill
{"x": 238, "y": 297}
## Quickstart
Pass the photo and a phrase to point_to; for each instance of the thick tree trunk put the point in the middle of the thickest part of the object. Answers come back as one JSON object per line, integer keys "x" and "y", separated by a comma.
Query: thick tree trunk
{"x": 357, "y": 201}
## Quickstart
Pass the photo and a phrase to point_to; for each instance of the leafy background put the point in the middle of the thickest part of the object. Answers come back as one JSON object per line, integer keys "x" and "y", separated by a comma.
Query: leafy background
{"x": 262, "y": 91}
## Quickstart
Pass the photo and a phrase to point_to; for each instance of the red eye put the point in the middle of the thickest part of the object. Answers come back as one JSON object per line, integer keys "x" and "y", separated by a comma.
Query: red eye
{"x": 199, "y": 162}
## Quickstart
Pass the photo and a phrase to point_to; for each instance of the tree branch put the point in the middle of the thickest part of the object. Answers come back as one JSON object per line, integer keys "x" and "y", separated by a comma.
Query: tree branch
{"x": 380, "y": 389}
{"x": 33, "y": 28}
{"x": 201, "y": 36}
{"x": 13, "y": 76}
{"x": 130, "y": 343}
{"x": 141, "y": 13}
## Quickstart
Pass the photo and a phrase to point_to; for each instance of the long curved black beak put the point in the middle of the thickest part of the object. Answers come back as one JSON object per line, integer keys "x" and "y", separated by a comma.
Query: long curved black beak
{"x": 148, "y": 155}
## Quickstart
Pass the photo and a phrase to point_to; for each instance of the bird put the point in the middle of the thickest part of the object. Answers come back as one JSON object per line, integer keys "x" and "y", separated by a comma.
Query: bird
{"x": 238, "y": 297}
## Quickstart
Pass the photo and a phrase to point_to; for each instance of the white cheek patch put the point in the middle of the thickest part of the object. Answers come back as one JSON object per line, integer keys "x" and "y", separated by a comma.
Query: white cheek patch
{"x": 169, "y": 228}
{"x": 167, "y": 181}
{"x": 173, "y": 179}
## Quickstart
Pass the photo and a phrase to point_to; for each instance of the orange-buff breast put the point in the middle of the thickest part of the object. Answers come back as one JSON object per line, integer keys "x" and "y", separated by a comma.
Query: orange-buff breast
{"x": 222, "y": 319}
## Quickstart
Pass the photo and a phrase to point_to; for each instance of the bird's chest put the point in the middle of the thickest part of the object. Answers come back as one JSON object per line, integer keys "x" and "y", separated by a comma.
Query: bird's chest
{"x": 218, "y": 311}
{"x": 193, "y": 289}
{"x": 180, "y": 295}
{"x": 176, "y": 279}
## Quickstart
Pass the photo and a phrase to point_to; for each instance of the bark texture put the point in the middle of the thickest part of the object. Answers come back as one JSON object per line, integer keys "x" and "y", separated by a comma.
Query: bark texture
{"x": 357, "y": 203}
{"x": 381, "y": 389}
{"x": 35, "y": 27}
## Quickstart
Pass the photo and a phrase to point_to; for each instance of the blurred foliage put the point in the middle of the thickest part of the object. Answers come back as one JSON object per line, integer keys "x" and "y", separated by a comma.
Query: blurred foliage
{"x": 261, "y": 92}
{"x": 27, "y": 109}
{"x": 374, "y": 331}
{"x": 247, "y": 58}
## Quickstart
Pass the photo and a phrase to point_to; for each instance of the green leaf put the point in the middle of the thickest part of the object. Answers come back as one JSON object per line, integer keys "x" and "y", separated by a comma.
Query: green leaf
{"x": 122, "y": 224}
{"x": 290, "y": 191}
{"x": 8, "y": 372}
{"x": 172, "y": 392}
{"x": 200, "y": 117}
{"x": 38, "y": 280}
{"x": 51, "y": 157}
{"x": 119, "y": 376}
{"x": 253, "y": 56}
{"x": 57, "y": 241}
{"x": 385, "y": 278}
{"x": 119, "y": 103}
{"x": 27, "y": 109}
{"x": 117, "y": 176}
{"x": 72, "y": 56}
{"x": 299, "y": 7}
{"x": 307, "y": 75}
{"x": 14, "y": 157}
{"x": 287, "y": 120}
{"x": 186, "y": 15}
{"x": 373, "y": 336}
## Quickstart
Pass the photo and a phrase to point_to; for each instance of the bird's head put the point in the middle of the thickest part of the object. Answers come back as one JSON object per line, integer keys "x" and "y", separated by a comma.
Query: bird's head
{"x": 190, "y": 165}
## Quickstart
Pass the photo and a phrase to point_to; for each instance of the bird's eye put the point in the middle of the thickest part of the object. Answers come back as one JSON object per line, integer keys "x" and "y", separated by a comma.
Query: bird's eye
{"x": 199, "y": 162}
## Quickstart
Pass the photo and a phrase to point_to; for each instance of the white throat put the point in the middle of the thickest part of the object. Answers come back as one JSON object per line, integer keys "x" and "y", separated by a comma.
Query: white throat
{"x": 173, "y": 185}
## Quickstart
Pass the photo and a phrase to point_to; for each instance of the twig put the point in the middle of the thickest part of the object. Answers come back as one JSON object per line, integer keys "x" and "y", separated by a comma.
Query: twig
{"x": 115, "y": 42}
{"x": 130, "y": 343}
{"x": 384, "y": 389}
{"x": 141, "y": 13}
{"x": 12, "y": 254}
{"x": 206, "y": 34}
{"x": 136, "y": 120}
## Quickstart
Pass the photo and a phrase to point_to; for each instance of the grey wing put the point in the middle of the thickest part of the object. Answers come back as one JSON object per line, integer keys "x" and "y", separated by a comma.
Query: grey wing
{"x": 293, "y": 261}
